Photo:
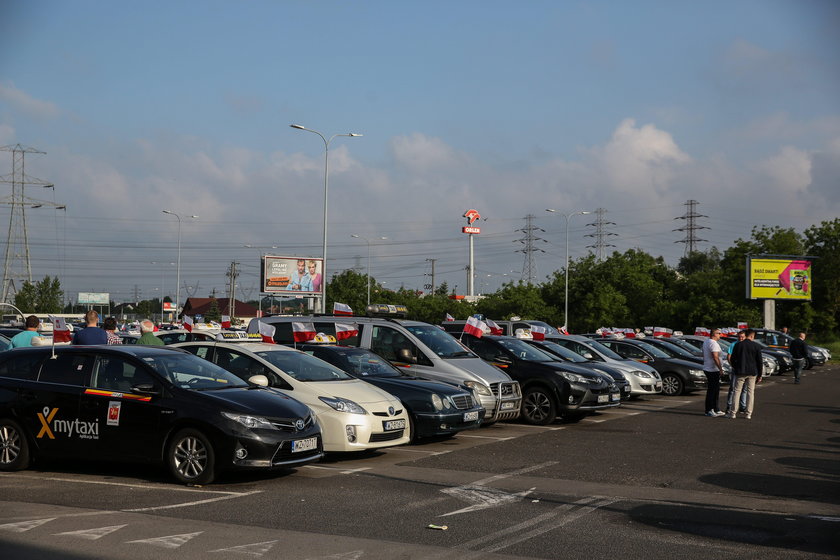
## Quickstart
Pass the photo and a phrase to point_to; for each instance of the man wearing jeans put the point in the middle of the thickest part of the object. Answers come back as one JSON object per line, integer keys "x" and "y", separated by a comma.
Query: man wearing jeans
{"x": 799, "y": 351}
{"x": 713, "y": 368}
{"x": 748, "y": 366}
{"x": 733, "y": 379}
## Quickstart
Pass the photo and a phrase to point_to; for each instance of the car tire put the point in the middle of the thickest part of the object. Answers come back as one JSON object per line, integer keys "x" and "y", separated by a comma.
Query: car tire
{"x": 672, "y": 385}
{"x": 190, "y": 457}
{"x": 14, "y": 447}
{"x": 538, "y": 406}
{"x": 808, "y": 363}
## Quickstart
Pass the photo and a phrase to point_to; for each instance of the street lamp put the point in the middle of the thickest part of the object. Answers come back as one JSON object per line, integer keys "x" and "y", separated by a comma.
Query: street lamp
{"x": 326, "y": 191}
{"x": 368, "y": 265}
{"x": 178, "y": 286}
{"x": 566, "y": 299}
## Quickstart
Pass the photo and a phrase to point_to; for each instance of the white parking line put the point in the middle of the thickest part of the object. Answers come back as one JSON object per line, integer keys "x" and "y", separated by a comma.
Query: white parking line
{"x": 489, "y": 437}
{"x": 168, "y": 488}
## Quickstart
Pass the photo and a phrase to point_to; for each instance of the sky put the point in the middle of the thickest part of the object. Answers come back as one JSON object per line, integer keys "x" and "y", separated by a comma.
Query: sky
{"x": 506, "y": 107}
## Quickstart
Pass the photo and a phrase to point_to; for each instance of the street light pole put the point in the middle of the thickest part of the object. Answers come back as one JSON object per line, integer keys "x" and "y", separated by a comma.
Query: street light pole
{"x": 566, "y": 298}
{"x": 178, "y": 287}
{"x": 326, "y": 191}
{"x": 368, "y": 265}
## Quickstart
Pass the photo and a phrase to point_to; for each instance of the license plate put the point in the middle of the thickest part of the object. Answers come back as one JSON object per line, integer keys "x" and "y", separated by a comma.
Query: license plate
{"x": 507, "y": 405}
{"x": 307, "y": 444}
{"x": 603, "y": 398}
{"x": 391, "y": 425}
{"x": 616, "y": 396}
{"x": 470, "y": 416}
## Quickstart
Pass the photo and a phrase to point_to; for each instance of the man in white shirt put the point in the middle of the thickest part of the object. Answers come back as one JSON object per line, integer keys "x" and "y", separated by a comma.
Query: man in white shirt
{"x": 713, "y": 368}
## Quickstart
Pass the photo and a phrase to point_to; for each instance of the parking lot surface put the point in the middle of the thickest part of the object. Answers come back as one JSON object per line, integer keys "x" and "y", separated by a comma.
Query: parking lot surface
{"x": 654, "y": 478}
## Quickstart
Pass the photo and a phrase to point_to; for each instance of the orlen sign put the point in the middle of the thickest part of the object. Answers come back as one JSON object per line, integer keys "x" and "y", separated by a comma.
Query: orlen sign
{"x": 471, "y": 216}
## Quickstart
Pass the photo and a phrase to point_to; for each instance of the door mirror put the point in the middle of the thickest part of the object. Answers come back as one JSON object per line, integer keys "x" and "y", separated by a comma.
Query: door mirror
{"x": 405, "y": 355}
{"x": 502, "y": 359}
{"x": 145, "y": 389}
{"x": 588, "y": 355}
{"x": 259, "y": 379}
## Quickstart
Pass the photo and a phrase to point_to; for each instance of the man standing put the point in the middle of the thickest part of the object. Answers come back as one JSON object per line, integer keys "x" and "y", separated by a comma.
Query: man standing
{"x": 799, "y": 351}
{"x": 91, "y": 334}
{"x": 733, "y": 378}
{"x": 748, "y": 366}
{"x": 147, "y": 334}
{"x": 713, "y": 368}
{"x": 23, "y": 339}
{"x": 301, "y": 281}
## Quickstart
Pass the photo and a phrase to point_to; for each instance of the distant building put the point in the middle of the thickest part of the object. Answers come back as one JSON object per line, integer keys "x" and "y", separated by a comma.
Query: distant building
{"x": 201, "y": 306}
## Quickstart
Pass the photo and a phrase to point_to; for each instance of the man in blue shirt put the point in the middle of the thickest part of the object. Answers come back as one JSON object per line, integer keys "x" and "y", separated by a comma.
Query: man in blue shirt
{"x": 91, "y": 334}
{"x": 23, "y": 339}
{"x": 301, "y": 281}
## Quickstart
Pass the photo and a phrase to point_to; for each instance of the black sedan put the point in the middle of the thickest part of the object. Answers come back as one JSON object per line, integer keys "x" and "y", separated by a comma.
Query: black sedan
{"x": 435, "y": 409}
{"x": 146, "y": 404}
{"x": 678, "y": 376}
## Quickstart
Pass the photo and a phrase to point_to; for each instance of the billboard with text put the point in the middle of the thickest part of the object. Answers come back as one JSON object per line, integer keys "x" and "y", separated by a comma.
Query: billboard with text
{"x": 291, "y": 275}
{"x": 779, "y": 278}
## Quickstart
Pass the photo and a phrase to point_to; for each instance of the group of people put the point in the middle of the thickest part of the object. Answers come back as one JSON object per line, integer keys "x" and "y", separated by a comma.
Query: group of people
{"x": 306, "y": 278}
{"x": 746, "y": 359}
{"x": 91, "y": 334}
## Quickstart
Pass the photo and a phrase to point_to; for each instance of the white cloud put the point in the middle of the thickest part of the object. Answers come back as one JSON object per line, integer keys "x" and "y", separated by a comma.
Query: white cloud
{"x": 26, "y": 103}
{"x": 7, "y": 134}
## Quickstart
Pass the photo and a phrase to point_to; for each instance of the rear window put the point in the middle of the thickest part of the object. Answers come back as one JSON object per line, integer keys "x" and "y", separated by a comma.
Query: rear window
{"x": 21, "y": 367}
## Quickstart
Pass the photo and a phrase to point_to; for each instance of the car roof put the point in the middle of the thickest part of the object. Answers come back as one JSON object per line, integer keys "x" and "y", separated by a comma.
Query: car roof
{"x": 248, "y": 346}
{"x": 133, "y": 350}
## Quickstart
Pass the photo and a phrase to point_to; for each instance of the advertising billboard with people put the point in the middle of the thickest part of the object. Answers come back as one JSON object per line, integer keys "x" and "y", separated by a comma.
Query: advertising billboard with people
{"x": 770, "y": 277}
{"x": 291, "y": 275}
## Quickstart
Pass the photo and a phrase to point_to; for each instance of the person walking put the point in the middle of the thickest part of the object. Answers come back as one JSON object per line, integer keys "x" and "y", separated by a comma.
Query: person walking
{"x": 733, "y": 378}
{"x": 799, "y": 351}
{"x": 748, "y": 366}
{"x": 110, "y": 326}
{"x": 147, "y": 334}
{"x": 91, "y": 334}
{"x": 713, "y": 368}
{"x": 24, "y": 338}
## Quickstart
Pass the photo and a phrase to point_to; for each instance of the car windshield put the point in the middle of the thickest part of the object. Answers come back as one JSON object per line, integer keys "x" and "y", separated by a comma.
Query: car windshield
{"x": 191, "y": 372}
{"x": 525, "y": 351}
{"x": 598, "y": 347}
{"x": 673, "y": 350}
{"x": 652, "y": 350}
{"x": 693, "y": 350}
{"x": 440, "y": 342}
{"x": 549, "y": 330}
{"x": 365, "y": 363}
{"x": 303, "y": 367}
{"x": 564, "y": 352}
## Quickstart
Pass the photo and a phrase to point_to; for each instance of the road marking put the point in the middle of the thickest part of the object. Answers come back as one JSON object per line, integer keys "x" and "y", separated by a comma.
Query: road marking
{"x": 171, "y": 541}
{"x": 423, "y": 451}
{"x": 92, "y": 534}
{"x": 168, "y": 488}
{"x": 229, "y": 496}
{"x": 255, "y": 549}
{"x": 489, "y": 437}
{"x": 22, "y": 526}
{"x": 354, "y": 555}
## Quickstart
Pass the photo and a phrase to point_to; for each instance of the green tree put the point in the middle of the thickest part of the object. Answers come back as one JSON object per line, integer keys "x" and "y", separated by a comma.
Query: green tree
{"x": 823, "y": 242}
{"x": 45, "y": 296}
{"x": 213, "y": 313}
{"x": 515, "y": 299}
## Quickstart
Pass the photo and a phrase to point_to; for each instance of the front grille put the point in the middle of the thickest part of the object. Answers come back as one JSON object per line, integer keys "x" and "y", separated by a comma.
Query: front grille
{"x": 462, "y": 401}
{"x": 289, "y": 425}
{"x": 284, "y": 452}
{"x": 505, "y": 391}
{"x": 386, "y": 436}
{"x": 386, "y": 415}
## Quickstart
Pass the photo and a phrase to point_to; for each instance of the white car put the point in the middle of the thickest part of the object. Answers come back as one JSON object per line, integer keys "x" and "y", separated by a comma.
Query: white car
{"x": 353, "y": 415}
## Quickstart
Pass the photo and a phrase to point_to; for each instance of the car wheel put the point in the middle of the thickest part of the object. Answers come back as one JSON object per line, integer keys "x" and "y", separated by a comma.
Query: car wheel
{"x": 672, "y": 385}
{"x": 14, "y": 448}
{"x": 190, "y": 457}
{"x": 538, "y": 406}
{"x": 808, "y": 363}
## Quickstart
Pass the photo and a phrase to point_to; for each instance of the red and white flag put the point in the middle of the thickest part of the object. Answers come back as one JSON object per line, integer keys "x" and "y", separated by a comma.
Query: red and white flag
{"x": 538, "y": 332}
{"x": 629, "y": 333}
{"x": 494, "y": 328}
{"x": 474, "y": 327}
{"x": 662, "y": 332}
{"x": 342, "y": 309}
{"x": 743, "y": 325}
{"x": 267, "y": 332}
{"x": 563, "y": 330}
{"x": 303, "y": 331}
{"x": 225, "y": 321}
{"x": 343, "y": 330}
{"x": 701, "y": 331}
{"x": 61, "y": 333}
{"x": 449, "y": 317}
{"x": 188, "y": 323}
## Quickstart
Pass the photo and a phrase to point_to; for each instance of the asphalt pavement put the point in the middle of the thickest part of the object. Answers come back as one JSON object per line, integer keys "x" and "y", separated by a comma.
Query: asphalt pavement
{"x": 652, "y": 479}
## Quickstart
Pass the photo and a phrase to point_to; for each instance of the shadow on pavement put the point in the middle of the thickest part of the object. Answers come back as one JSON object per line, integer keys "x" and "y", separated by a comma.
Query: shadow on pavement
{"x": 777, "y": 486}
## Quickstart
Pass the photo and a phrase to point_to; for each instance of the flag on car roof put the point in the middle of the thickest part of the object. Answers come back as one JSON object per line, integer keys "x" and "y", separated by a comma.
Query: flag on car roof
{"x": 188, "y": 323}
{"x": 342, "y": 309}
{"x": 343, "y": 330}
{"x": 701, "y": 331}
{"x": 225, "y": 321}
{"x": 563, "y": 330}
{"x": 61, "y": 332}
{"x": 538, "y": 332}
{"x": 302, "y": 332}
{"x": 449, "y": 317}
{"x": 494, "y": 328}
{"x": 267, "y": 332}
{"x": 662, "y": 332}
{"x": 475, "y": 327}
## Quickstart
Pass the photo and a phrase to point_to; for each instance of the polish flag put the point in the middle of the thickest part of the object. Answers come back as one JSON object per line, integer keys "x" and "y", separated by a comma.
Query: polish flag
{"x": 61, "y": 333}
{"x": 342, "y": 309}
{"x": 474, "y": 327}
{"x": 494, "y": 328}
{"x": 343, "y": 331}
{"x": 188, "y": 323}
{"x": 449, "y": 317}
{"x": 742, "y": 325}
{"x": 267, "y": 332}
{"x": 225, "y": 321}
{"x": 662, "y": 332}
{"x": 302, "y": 331}
{"x": 563, "y": 330}
{"x": 701, "y": 331}
{"x": 538, "y": 332}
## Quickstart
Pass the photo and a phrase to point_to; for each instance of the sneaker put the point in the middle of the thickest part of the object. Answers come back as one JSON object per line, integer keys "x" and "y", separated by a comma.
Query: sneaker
{"x": 730, "y": 415}
{"x": 719, "y": 413}
{"x": 796, "y": 382}
{"x": 748, "y": 416}
{"x": 712, "y": 413}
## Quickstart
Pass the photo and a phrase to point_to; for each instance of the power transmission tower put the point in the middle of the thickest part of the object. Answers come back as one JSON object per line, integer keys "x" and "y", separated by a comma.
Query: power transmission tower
{"x": 529, "y": 268}
{"x": 601, "y": 234}
{"x": 691, "y": 240}
{"x": 430, "y": 286}
{"x": 232, "y": 274}
{"x": 17, "y": 264}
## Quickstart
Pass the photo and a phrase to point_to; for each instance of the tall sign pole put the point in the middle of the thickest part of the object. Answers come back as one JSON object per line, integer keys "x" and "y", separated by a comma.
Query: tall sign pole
{"x": 472, "y": 216}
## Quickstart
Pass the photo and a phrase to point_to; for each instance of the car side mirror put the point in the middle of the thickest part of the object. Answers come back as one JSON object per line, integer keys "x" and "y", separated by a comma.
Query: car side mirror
{"x": 588, "y": 356}
{"x": 146, "y": 389}
{"x": 405, "y": 355}
{"x": 258, "y": 379}
{"x": 502, "y": 359}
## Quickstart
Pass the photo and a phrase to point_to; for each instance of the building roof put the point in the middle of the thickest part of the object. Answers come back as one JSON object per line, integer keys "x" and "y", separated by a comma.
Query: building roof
{"x": 201, "y": 306}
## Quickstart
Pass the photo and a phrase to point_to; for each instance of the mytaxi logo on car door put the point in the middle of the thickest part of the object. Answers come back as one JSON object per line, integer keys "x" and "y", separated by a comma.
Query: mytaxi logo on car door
{"x": 81, "y": 429}
{"x": 46, "y": 417}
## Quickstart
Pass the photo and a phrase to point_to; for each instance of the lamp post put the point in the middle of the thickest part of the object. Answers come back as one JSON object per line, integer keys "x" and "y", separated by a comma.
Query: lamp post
{"x": 566, "y": 298}
{"x": 178, "y": 286}
{"x": 368, "y": 265}
{"x": 326, "y": 191}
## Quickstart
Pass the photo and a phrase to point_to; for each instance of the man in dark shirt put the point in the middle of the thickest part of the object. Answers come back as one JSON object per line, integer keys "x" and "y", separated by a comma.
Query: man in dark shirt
{"x": 799, "y": 351}
{"x": 91, "y": 334}
{"x": 748, "y": 365}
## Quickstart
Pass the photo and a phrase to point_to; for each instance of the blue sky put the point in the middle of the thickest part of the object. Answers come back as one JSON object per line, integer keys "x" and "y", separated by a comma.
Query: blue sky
{"x": 506, "y": 107}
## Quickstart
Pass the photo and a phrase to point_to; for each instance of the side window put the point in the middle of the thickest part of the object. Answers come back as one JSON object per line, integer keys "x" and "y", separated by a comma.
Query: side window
{"x": 629, "y": 351}
{"x": 21, "y": 367}
{"x": 485, "y": 350}
{"x": 114, "y": 373}
{"x": 388, "y": 342}
{"x": 67, "y": 369}
{"x": 200, "y": 351}
{"x": 242, "y": 366}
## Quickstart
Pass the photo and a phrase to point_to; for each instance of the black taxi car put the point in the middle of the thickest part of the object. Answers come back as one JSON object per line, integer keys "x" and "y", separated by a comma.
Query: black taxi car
{"x": 146, "y": 404}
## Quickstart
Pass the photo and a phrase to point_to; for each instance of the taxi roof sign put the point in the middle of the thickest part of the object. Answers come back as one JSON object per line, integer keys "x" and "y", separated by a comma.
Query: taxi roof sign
{"x": 384, "y": 310}
{"x": 238, "y": 336}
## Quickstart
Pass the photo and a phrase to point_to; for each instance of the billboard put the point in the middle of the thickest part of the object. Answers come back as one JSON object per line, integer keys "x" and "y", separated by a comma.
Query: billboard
{"x": 779, "y": 278}
{"x": 291, "y": 275}
{"x": 93, "y": 298}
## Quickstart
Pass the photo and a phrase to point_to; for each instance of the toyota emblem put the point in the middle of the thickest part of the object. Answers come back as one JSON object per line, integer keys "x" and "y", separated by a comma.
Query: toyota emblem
{"x": 390, "y": 410}
{"x": 299, "y": 424}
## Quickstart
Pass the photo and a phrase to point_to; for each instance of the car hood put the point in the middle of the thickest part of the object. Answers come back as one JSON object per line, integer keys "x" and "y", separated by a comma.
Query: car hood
{"x": 356, "y": 390}
{"x": 481, "y": 369}
{"x": 258, "y": 401}
{"x": 412, "y": 385}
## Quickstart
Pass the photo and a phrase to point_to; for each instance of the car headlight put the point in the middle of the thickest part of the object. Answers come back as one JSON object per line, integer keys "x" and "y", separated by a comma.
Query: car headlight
{"x": 696, "y": 373}
{"x": 436, "y": 402}
{"x": 343, "y": 405}
{"x": 479, "y": 388}
{"x": 817, "y": 354}
{"x": 252, "y": 422}
{"x": 642, "y": 374}
{"x": 573, "y": 377}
